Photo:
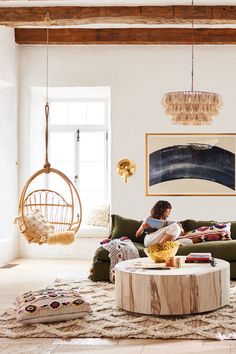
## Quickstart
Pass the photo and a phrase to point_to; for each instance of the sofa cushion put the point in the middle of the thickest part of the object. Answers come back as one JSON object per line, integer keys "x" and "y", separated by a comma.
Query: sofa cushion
{"x": 233, "y": 229}
{"x": 125, "y": 227}
{"x": 215, "y": 232}
{"x": 220, "y": 249}
{"x": 100, "y": 271}
{"x": 101, "y": 254}
{"x": 190, "y": 224}
{"x": 140, "y": 249}
{"x": 233, "y": 270}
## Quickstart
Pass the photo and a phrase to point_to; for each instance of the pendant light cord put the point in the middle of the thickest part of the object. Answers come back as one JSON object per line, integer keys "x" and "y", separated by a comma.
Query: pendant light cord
{"x": 47, "y": 19}
{"x": 192, "y": 72}
{"x": 47, "y": 164}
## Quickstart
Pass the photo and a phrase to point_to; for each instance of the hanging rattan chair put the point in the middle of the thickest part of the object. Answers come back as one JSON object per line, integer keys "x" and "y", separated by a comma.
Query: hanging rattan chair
{"x": 44, "y": 215}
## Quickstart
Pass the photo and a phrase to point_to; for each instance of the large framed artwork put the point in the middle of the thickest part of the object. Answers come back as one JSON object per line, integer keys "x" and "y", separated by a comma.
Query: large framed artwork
{"x": 190, "y": 164}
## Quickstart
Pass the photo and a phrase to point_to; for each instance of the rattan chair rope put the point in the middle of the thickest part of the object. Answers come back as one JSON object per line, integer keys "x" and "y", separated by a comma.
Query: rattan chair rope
{"x": 60, "y": 216}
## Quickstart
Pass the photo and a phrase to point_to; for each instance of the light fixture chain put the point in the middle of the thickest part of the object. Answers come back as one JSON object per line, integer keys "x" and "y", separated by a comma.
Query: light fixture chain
{"x": 192, "y": 72}
{"x": 192, "y": 107}
{"x": 192, "y": 88}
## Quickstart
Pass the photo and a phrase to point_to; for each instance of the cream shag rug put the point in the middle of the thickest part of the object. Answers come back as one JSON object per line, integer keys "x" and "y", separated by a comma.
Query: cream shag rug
{"x": 106, "y": 320}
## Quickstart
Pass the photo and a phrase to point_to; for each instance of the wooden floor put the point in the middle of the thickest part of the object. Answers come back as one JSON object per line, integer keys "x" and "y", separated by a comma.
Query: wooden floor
{"x": 32, "y": 274}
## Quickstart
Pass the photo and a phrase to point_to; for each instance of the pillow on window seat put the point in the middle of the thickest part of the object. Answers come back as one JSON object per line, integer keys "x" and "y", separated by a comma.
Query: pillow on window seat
{"x": 50, "y": 305}
{"x": 99, "y": 216}
{"x": 217, "y": 232}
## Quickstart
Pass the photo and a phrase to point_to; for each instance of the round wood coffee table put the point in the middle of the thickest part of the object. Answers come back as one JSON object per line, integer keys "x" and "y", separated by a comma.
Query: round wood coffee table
{"x": 193, "y": 288}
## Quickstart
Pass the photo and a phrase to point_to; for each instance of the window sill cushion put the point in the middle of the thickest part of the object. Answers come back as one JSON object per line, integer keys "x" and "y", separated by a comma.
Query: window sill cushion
{"x": 89, "y": 231}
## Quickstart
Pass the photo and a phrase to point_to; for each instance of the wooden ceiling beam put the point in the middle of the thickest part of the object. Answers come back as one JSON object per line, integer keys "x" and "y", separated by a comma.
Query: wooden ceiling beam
{"x": 151, "y": 36}
{"x": 77, "y": 15}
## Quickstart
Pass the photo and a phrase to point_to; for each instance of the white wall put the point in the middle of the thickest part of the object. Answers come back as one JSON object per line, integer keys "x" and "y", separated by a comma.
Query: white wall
{"x": 138, "y": 77}
{"x": 8, "y": 144}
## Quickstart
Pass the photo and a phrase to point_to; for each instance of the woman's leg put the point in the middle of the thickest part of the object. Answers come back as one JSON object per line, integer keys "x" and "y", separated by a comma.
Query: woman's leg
{"x": 168, "y": 233}
{"x": 171, "y": 234}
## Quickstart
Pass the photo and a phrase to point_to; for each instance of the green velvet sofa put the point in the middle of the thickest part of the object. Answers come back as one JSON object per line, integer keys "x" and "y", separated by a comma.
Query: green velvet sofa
{"x": 127, "y": 227}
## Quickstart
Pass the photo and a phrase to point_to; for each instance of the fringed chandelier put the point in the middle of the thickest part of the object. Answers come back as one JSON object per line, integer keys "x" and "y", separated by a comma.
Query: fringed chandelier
{"x": 192, "y": 107}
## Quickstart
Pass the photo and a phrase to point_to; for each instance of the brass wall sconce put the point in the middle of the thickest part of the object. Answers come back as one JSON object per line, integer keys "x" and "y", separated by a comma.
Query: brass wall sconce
{"x": 126, "y": 168}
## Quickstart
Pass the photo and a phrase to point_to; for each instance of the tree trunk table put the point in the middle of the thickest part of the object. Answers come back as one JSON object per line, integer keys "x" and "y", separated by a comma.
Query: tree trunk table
{"x": 193, "y": 288}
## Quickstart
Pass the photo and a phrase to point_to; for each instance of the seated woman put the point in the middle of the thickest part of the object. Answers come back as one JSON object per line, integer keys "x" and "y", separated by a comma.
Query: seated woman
{"x": 173, "y": 230}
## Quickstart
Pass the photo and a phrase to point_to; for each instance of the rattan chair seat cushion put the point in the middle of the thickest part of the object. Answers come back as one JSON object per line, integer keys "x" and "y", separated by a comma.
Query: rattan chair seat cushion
{"x": 36, "y": 227}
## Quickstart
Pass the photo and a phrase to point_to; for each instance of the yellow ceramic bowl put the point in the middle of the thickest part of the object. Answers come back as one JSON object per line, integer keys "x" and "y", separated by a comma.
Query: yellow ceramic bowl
{"x": 161, "y": 252}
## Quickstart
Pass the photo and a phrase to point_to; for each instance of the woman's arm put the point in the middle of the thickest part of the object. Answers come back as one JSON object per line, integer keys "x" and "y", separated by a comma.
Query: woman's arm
{"x": 141, "y": 229}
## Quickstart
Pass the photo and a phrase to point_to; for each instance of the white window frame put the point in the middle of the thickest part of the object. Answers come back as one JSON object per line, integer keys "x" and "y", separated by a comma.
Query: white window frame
{"x": 84, "y": 128}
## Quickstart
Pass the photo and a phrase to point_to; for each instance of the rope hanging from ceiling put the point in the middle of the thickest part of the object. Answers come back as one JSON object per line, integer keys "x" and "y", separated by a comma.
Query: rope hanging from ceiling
{"x": 46, "y": 215}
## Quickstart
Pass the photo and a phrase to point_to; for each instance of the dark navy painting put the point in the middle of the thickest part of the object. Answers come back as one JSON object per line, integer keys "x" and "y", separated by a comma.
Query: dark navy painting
{"x": 192, "y": 160}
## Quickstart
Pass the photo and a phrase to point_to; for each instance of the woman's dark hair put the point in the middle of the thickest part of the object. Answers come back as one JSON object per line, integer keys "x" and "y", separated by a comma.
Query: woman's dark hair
{"x": 159, "y": 208}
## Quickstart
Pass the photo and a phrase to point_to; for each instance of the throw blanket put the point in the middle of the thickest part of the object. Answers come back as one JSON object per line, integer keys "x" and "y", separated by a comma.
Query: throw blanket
{"x": 119, "y": 250}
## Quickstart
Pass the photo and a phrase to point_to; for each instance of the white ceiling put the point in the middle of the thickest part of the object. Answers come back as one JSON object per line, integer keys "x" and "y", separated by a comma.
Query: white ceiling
{"x": 113, "y": 2}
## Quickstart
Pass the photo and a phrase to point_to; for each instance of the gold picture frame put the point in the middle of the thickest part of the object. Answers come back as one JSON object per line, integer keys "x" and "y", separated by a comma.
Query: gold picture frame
{"x": 190, "y": 164}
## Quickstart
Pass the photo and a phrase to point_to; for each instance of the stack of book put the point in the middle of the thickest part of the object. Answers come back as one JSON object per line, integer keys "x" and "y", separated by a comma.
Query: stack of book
{"x": 198, "y": 258}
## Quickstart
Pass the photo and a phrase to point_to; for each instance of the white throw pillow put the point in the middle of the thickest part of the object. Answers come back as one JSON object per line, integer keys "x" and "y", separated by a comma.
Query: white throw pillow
{"x": 37, "y": 227}
{"x": 50, "y": 305}
{"x": 99, "y": 216}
